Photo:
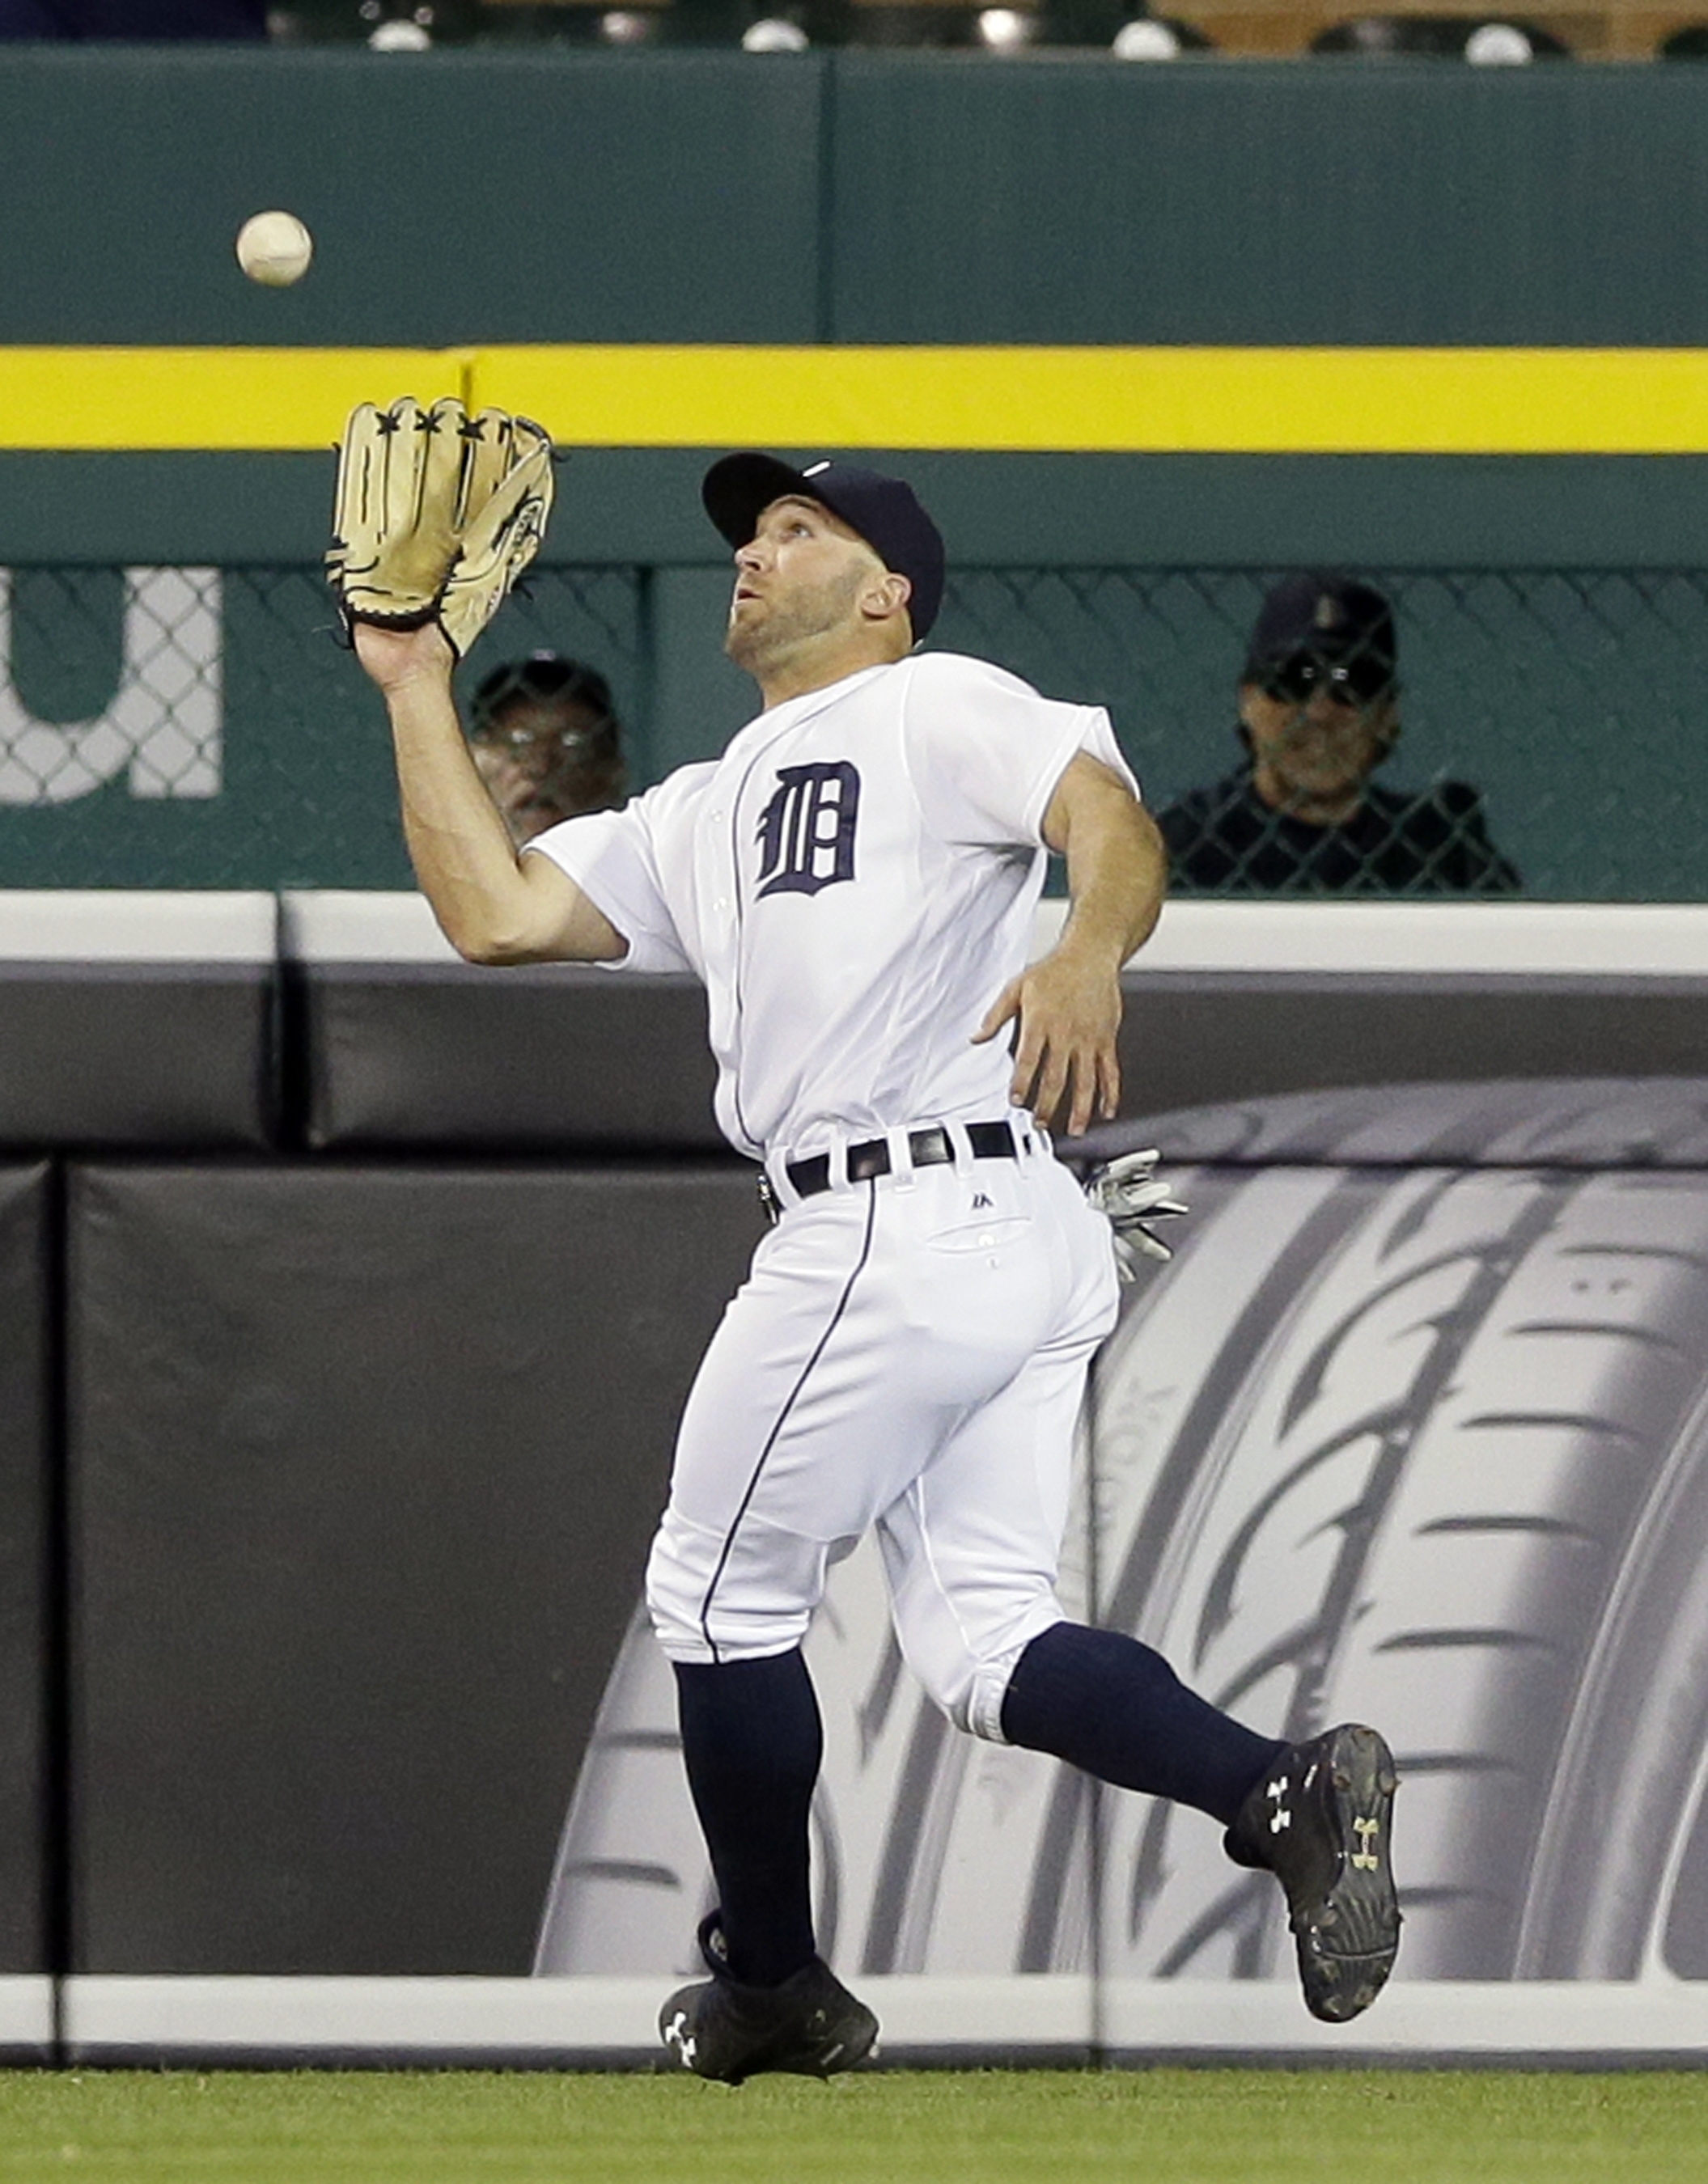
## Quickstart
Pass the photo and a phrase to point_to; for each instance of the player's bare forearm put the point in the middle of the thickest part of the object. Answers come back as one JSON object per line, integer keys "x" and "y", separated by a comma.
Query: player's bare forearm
{"x": 1066, "y": 1007}
{"x": 494, "y": 906}
{"x": 1117, "y": 866}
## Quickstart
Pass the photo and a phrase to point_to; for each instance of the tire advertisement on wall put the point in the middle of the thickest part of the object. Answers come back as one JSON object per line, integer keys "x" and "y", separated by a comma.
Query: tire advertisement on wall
{"x": 1411, "y": 1431}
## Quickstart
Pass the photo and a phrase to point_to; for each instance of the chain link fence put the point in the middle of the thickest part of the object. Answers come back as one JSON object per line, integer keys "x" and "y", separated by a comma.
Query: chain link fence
{"x": 202, "y": 727}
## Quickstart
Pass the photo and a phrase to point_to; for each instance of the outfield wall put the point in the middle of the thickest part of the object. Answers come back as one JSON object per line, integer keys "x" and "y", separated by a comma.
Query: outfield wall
{"x": 1109, "y": 318}
{"x": 851, "y": 198}
{"x": 340, "y": 1411}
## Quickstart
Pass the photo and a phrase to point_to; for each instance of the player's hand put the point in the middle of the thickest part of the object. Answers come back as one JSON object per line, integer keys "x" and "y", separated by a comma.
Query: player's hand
{"x": 395, "y": 657}
{"x": 1067, "y": 1012}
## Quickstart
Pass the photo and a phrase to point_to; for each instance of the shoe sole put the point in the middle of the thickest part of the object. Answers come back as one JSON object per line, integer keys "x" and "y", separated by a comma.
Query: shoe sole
{"x": 1346, "y": 1944}
{"x": 851, "y": 2047}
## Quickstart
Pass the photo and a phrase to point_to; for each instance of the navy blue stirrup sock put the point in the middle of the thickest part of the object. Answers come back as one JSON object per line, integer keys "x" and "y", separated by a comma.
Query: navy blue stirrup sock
{"x": 751, "y": 1741}
{"x": 1116, "y": 1708}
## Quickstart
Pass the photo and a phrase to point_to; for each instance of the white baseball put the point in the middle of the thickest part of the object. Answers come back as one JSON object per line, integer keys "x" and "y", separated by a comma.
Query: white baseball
{"x": 275, "y": 248}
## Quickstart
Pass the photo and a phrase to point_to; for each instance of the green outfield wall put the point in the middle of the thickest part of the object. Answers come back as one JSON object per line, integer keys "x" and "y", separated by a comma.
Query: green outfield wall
{"x": 460, "y": 200}
{"x": 542, "y": 196}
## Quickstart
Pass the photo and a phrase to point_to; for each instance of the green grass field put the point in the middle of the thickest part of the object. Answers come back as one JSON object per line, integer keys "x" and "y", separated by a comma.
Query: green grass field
{"x": 1038, "y": 2127}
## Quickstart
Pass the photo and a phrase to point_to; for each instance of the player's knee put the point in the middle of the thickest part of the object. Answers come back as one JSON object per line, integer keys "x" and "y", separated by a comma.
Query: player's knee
{"x": 952, "y": 1689}
{"x": 707, "y": 1603}
{"x": 671, "y": 1605}
{"x": 966, "y": 1685}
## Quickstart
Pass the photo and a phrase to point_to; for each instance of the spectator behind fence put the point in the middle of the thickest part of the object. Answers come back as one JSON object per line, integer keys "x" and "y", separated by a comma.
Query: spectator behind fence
{"x": 547, "y": 741}
{"x": 1319, "y": 704}
{"x": 138, "y": 22}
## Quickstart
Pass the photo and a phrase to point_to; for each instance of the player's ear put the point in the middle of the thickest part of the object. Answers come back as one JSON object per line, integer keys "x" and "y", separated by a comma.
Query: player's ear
{"x": 888, "y": 595}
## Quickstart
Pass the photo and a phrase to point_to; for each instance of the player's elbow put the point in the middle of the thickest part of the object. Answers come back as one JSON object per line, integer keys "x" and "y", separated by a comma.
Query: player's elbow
{"x": 496, "y": 950}
{"x": 1091, "y": 800}
{"x": 557, "y": 926}
{"x": 526, "y": 915}
{"x": 491, "y": 941}
{"x": 490, "y": 951}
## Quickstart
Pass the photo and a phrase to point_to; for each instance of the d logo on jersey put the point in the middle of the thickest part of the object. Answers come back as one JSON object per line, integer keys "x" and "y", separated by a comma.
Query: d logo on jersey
{"x": 807, "y": 831}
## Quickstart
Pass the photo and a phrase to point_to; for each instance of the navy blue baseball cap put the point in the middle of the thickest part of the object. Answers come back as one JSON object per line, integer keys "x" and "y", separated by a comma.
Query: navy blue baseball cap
{"x": 1328, "y": 622}
{"x": 884, "y": 511}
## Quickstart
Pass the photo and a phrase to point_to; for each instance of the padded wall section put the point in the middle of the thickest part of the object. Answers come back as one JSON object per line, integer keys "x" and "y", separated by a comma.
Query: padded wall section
{"x": 364, "y": 1464}
{"x": 1189, "y": 1037}
{"x": 24, "y": 1604}
{"x": 109, "y": 1054}
{"x": 541, "y": 1059}
{"x": 424, "y": 1054}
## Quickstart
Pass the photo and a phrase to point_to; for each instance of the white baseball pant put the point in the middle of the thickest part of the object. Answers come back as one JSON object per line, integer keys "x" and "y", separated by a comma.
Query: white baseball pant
{"x": 908, "y": 1351}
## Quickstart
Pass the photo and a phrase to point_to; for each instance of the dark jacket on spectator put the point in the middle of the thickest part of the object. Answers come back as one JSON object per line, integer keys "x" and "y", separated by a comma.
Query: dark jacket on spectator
{"x": 1435, "y": 841}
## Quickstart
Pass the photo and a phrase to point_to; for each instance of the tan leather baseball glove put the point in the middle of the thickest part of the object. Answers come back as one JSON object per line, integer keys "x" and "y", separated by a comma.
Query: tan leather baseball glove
{"x": 437, "y": 515}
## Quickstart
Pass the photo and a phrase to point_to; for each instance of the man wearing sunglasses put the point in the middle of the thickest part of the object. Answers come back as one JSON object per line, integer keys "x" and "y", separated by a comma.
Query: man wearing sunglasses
{"x": 1319, "y": 712}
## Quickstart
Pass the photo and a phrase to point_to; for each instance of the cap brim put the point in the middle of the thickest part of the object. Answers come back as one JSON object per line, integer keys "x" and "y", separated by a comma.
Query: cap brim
{"x": 1334, "y": 648}
{"x": 738, "y": 489}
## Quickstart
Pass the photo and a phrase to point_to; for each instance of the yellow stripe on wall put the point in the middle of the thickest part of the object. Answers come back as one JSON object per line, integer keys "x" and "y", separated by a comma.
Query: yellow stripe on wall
{"x": 1185, "y": 401}
{"x": 197, "y": 398}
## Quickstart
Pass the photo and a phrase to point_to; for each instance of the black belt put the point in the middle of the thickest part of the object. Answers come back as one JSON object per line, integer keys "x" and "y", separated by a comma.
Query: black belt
{"x": 930, "y": 1148}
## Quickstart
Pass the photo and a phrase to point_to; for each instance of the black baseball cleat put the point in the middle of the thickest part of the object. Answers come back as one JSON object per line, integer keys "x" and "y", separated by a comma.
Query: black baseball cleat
{"x": 720, "y": 2028}
{"x": 1320, "y": 1818}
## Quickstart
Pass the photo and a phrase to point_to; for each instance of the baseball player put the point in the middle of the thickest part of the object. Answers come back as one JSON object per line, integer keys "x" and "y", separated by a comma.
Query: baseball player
{"x": 854, "y": 881}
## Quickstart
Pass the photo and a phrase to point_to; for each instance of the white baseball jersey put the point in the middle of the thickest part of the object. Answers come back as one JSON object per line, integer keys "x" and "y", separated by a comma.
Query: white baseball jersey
{"x": 854, "y": 882}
